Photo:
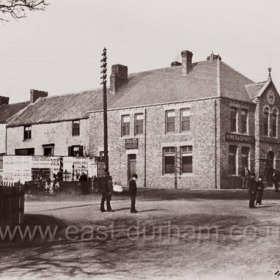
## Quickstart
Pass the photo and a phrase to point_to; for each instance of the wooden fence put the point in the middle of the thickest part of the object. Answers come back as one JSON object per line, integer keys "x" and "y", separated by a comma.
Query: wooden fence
{"x": 11, "y": 205}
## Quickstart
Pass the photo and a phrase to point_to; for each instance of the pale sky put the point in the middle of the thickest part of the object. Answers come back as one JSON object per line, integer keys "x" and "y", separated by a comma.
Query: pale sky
{"x": 59, "y": 50}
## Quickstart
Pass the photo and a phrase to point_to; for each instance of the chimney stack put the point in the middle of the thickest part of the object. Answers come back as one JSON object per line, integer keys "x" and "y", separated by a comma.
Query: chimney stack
{"x": 119, "y": 76}
{"x": 186, "y": 62}
{"x": 4, "y": 100}
{"x": 35, "y": 94}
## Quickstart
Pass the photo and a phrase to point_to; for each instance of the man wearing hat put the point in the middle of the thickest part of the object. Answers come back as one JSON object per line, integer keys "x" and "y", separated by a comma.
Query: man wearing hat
{"x": 133, "y": 192}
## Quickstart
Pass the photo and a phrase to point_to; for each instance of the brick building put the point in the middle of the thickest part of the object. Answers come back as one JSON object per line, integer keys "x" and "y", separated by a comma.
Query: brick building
{"x": 191, "y": 125}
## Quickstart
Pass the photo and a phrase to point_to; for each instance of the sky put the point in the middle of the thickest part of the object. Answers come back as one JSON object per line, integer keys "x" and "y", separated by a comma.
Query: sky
{"x": 59, "y": 50}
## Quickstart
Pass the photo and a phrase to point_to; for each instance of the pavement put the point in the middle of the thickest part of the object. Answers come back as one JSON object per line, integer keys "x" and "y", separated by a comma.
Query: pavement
{"x": 177, "y": 234}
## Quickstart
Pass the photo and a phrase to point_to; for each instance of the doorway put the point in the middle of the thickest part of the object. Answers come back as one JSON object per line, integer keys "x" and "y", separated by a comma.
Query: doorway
{"x": 131, "y": 166}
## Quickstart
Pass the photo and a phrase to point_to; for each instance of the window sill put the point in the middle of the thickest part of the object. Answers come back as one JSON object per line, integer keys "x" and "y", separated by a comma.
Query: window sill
{"x": 27, "y": 140}
{"x": 185, "y": 132}
{"x": 172, "y": 175}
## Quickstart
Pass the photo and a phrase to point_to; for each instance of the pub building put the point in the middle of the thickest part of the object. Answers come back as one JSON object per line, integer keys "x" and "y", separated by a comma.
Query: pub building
{"x": 191, "y": 125}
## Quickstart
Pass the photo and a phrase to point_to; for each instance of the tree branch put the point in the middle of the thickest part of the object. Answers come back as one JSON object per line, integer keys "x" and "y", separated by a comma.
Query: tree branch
{"x": 17, "y": 8}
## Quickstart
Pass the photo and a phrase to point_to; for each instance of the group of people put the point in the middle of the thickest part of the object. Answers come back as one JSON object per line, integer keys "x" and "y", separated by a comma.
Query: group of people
{"x": 51, "y": 186}
{"x": 256, "y": 187}
{"x": 107, "y": 192}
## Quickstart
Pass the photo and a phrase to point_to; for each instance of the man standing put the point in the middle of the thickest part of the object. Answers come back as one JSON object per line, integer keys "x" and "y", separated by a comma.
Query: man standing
{"x": 252, "y": 188}
{"x": 105, "y": 195}
{"x": 133, "y": 192}
{"x": 260, "y": 188}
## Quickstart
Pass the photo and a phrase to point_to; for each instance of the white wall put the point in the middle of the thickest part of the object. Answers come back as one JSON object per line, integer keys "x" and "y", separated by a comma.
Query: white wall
{"x": 59, "y": 133}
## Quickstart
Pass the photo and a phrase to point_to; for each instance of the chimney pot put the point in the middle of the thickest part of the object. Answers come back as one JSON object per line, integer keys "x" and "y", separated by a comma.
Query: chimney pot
{"x": 176, "y": 63}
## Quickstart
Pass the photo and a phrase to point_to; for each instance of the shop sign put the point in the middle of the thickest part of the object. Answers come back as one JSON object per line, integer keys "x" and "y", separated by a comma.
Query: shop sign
{"x": 240, "y": 138}
{"x": 131, "y": 143}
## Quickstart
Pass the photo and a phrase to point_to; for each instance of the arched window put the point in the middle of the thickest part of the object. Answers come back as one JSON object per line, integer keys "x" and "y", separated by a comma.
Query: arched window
{"x": 274, "y": 117}
{"x": 266, "y": 121}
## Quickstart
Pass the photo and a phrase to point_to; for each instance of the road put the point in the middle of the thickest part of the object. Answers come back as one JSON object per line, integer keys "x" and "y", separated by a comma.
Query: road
{"x": 187, "y": 238}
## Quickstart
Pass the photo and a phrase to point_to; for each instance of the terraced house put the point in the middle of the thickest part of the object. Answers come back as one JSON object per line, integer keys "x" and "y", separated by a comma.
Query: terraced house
{"x": 190, "y": 125}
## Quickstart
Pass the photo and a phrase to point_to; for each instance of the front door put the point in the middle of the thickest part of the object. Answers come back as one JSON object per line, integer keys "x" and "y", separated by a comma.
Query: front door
{"x": 131, "y": 167}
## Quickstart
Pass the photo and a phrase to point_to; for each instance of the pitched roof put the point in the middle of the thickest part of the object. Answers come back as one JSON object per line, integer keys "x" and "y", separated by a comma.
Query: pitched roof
{"x": 7, "y": 111}
{"x": 207, "y": 79}
{"x": 59, "y": 108}
{"x": 167, "y": 85}
{"x": 254, "y": 89}
{"x": 233, "y": 84}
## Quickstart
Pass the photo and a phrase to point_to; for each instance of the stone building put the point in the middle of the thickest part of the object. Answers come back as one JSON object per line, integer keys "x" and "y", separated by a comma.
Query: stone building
{"x": 53, "y": 126}
{"x": 191, "y": 125}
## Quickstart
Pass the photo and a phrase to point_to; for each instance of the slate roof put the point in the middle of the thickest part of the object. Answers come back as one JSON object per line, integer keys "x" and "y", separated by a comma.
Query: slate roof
{"x": 207, "y": 79}
{"x": 254, "y": 89}
{"x": 59, "y": 108}
{"x": 7, "y": 111}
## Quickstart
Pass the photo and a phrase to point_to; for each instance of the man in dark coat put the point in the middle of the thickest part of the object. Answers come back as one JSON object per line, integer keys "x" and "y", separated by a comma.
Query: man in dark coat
{"x": 133, "y": 192}
{"x": 105, "y": 195}
{"x": 252, "y": 188}
{"x": 260, "y": 188}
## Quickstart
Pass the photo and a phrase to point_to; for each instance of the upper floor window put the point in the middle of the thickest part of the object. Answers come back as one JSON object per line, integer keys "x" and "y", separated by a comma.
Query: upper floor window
{"x": 185, "y": 119}
{"x": 244, "y": 121}
{"x": 125, "y": 125}
{"x": 170, "y": 121}
{"x": 169, "y": 160}
{"x": 186, "y": 159}
{"x": 27, "y": 132}
{"x": 266, "y": 121}
{"x": 76, "y": 151}
{"x": 138, "y": 124}
{"x": 233, "y": 119}
{"x": 75, "y": 128}
{"x": 274, "y": 123}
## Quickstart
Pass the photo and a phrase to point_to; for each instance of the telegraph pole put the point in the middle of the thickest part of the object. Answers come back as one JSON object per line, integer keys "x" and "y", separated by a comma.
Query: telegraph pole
{"x": 104, "y": 83}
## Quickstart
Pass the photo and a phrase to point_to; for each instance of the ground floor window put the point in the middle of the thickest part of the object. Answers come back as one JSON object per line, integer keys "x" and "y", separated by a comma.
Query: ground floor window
{"x": 169, "y": 160}
{"x": 232, "y": 160}
{"x": 186, "y": 159}
{"x": 174, "y": 161}
{"x": 25, "y": 152}
{"x": 245, "y": 157}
